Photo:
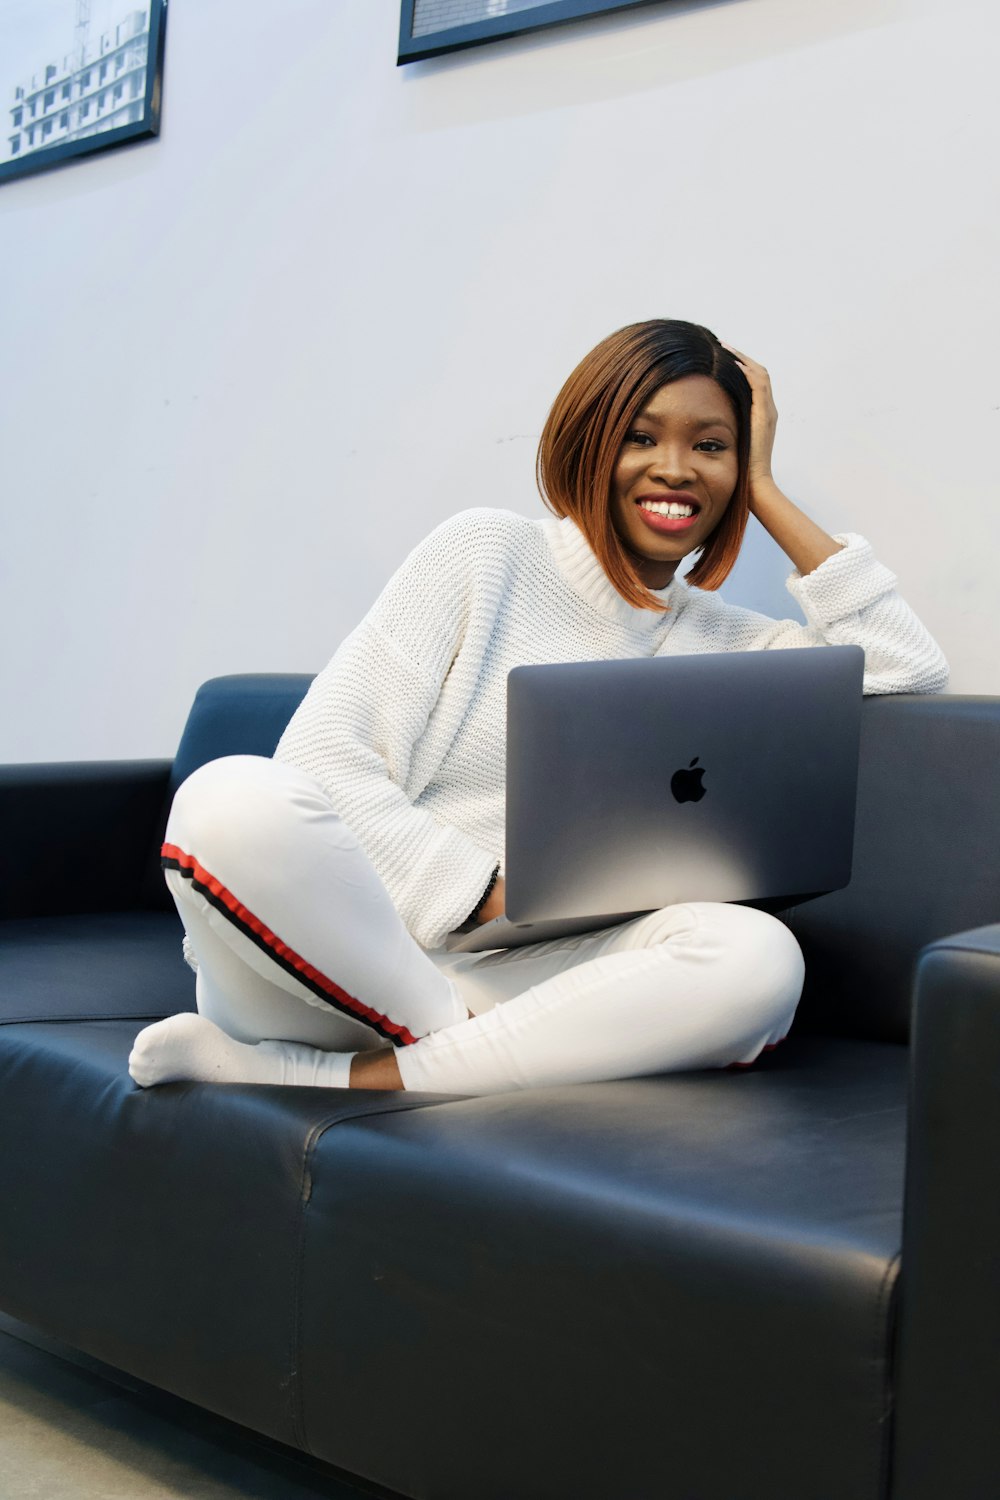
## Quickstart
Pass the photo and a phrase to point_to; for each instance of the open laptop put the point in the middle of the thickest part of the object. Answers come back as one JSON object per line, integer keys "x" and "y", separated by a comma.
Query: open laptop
{"x": 632, "y": 785}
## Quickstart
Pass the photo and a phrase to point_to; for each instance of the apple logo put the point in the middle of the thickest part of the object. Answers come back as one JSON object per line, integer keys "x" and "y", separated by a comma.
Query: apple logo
{"x": 685, "y": 784}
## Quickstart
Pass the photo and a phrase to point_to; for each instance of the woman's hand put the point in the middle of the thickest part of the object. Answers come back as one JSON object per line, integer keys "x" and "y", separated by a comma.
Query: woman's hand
{"x": 495, "y": 905}
{"x": 802, "y": 541}
{"x": 763, "y": 420}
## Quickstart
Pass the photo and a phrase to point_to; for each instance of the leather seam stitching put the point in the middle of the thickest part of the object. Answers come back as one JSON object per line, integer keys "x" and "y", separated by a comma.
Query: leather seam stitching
{"x": 883, "y": 1352}
{"x": 317, "y": 1131}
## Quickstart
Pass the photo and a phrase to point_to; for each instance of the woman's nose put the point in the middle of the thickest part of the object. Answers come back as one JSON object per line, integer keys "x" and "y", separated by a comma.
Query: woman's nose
{"x": 672, "y": 465}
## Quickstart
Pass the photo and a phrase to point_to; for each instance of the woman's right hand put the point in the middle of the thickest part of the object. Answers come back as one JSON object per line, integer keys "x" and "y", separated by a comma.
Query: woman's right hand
{"x": 495, "y": 905}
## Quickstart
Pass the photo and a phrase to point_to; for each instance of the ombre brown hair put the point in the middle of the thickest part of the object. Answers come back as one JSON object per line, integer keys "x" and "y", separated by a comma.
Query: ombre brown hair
{"x": 588, "y": 424}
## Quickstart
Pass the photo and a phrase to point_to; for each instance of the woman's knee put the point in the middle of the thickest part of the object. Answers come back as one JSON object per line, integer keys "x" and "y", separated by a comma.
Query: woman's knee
{"x": 767, "y": 965}
{"x": 238, "y": 799}
{"x": 764, "y": 943}
{"x": 757, "y": 962}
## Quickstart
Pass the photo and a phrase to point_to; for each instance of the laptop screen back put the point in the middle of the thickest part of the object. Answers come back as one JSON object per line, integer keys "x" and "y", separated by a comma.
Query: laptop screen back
{"x": 632, "y": 785}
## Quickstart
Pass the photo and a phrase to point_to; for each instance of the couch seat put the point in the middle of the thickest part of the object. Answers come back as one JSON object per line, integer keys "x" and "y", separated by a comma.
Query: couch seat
{"x": 94, "y": 966}
{"x": 692, "y": 1274}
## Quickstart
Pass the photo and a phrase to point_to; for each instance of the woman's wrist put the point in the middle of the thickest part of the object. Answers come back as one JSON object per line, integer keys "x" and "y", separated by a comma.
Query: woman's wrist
{"x": 495, "y": 904}
{"x": 477, "y": 914}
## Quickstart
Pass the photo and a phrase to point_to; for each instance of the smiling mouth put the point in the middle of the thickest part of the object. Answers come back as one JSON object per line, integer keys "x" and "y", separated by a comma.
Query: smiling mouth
{"x": 678, "y": 510}
{"x": 668, "y": 518}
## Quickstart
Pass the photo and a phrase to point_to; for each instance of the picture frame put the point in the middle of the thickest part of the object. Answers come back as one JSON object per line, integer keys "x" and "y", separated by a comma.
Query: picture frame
{"x": 428, "y": 28}
{"x": 101, "y": 88}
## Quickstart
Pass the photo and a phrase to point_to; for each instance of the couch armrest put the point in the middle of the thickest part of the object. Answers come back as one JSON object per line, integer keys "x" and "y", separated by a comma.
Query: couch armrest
{"x": 949, "y": 1337}
{"x": 81, "y": 836}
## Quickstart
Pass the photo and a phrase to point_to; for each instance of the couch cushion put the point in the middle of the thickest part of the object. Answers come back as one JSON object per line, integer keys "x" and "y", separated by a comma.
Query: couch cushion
{"x": 661, "y": 1287}
{"x": 160, "y": 1229}
{"x": 89, "y": 967}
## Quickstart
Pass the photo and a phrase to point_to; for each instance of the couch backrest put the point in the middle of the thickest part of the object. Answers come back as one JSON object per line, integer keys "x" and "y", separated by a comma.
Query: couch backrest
{"x": 238, "y": 715}
{"x": 927, "y": 845}
{"x": 926, "y": 861}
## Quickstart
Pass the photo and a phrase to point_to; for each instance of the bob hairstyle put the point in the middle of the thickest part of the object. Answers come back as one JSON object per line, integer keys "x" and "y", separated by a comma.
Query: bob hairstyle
{"x": 588, "y": 424}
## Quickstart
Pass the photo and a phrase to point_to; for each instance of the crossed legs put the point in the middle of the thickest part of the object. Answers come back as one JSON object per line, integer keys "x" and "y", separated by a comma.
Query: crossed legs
{"x": 306, "y": 974}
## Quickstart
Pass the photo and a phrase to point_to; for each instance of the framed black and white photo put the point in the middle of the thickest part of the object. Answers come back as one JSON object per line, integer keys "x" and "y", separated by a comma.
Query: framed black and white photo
{"x": 429, "y": 27}
{"x": 77, "y": 76}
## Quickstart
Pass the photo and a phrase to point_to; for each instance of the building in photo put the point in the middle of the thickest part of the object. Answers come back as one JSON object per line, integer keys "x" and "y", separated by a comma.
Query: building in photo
{"x": 97, "y": 86}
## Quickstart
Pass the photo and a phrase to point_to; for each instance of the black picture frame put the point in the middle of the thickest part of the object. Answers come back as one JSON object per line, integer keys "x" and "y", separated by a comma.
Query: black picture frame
{"x": 474, "y": 33}
{"x": 84, "y": 82}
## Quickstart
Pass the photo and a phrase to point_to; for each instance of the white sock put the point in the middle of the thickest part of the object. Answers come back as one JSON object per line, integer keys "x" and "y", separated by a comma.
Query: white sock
{"x": 189, "y": 1046}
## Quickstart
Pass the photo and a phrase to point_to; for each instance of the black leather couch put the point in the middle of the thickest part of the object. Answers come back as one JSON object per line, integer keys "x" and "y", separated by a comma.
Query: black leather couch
{"x": 774, "y": 1284}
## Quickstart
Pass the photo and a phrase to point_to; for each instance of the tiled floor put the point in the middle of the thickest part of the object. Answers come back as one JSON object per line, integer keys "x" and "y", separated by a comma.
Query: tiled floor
{"x": 68, "y": 1432}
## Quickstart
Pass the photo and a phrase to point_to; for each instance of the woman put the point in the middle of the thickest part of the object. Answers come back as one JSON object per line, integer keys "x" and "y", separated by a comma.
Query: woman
{"x": 318, "y": 888}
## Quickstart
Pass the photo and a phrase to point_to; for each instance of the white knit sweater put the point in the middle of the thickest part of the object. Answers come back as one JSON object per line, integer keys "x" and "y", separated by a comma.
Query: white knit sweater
{"x": 405, "y": 728}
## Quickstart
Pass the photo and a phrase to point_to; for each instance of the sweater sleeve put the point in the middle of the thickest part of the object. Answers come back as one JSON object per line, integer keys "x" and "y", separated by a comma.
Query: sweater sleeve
{"x": 356, "y": 728}
{"x": 850, "y": 600}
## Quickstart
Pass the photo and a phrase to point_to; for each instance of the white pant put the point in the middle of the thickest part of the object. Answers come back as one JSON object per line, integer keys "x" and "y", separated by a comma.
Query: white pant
{"x": 297, "y": 939}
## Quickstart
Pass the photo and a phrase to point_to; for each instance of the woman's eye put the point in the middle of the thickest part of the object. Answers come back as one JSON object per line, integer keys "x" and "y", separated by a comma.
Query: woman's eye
{"x": 712, "y": 445}
{"x": 638, "y": 437}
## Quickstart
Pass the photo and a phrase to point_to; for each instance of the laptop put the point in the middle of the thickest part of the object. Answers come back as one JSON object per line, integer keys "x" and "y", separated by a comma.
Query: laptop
{"x": 635, "y": 784}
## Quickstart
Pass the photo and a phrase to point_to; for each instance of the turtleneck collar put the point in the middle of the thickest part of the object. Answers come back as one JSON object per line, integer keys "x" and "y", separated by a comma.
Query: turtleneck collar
{"x": 581, "y": 570}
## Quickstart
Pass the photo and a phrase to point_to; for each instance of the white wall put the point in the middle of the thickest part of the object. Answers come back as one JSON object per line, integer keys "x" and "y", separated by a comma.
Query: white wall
{"x": 247, "y": 366}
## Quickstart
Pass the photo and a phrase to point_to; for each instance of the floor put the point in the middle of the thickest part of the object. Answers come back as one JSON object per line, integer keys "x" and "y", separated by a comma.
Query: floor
{"x": 70, "y": 1432}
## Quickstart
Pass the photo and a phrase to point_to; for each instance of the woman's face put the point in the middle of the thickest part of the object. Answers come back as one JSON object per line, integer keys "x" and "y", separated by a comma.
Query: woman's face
{"x": 675, "y": 475}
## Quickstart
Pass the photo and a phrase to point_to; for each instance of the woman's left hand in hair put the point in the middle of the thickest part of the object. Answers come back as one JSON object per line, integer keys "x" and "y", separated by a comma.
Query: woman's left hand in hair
{"x": 763, "y": 420}
{"x": 802, "y": 541}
